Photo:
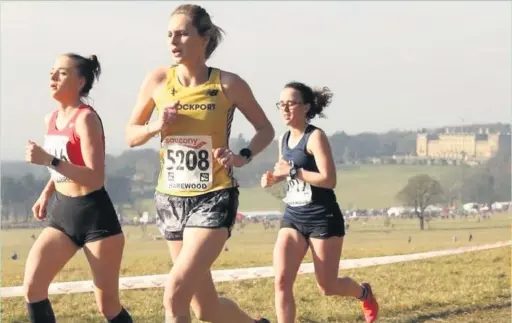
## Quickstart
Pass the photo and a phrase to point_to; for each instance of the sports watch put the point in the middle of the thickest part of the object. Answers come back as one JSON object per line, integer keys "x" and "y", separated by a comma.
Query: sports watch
{"x": 246, "y": 153}
{"x": 54, "y": 162}
{"x": 293, "y": 172}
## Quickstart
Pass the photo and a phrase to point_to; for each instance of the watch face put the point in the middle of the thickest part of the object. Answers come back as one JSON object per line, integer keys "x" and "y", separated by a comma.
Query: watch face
{"x": 245, "y": 153}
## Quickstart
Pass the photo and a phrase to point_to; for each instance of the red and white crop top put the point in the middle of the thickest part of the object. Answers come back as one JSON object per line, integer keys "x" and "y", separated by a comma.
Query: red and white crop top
{"x": 64, "y": 143}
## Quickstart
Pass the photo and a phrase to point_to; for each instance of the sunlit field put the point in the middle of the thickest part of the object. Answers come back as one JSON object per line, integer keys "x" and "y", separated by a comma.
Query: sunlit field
{"x": 473, "y": 287}
{"x": 359, "y": 187}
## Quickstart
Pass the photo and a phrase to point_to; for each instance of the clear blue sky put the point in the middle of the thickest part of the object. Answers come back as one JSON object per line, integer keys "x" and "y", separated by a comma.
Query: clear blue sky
{"x": 390, "y": 65}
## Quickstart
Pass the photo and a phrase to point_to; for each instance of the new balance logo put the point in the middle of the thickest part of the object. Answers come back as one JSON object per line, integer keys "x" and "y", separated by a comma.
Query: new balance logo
{"x": 212, "y": 92}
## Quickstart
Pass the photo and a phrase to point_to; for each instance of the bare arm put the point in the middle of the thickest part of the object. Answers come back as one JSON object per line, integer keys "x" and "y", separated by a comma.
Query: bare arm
{"x": 138, "y": 132}
{"x": 318, "y": 146}
{"x": 49, "y": 188}
{"x": 88, "y": 127}
{"x": 279, "y": 157}
{"x": 239, "y": 92}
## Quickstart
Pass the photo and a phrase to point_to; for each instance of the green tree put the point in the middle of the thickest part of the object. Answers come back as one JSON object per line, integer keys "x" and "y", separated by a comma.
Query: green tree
{"x": 420, "y": 192}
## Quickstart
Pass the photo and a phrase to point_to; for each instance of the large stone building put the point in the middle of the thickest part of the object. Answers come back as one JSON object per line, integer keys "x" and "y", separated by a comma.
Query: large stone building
{"x": 452, "y": 145}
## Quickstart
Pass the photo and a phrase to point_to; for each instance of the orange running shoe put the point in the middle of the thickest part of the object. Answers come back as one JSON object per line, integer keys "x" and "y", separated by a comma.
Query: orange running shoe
{"x": 370, "y": 305}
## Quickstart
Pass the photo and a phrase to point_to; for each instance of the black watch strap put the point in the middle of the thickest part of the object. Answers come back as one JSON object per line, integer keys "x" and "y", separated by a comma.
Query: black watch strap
{"x": 55, "y": 162}
{"x": 246, "y": 153}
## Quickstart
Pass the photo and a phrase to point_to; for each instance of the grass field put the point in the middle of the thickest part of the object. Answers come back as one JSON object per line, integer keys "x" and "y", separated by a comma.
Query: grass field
{"x": 473, "y": 287}
{"x": 359, "y": 186}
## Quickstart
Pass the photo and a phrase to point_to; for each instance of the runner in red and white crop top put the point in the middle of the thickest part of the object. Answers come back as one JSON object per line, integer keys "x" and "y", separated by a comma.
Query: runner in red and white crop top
{"x": 65, "y": 143}
{"x": 82, "y": 214}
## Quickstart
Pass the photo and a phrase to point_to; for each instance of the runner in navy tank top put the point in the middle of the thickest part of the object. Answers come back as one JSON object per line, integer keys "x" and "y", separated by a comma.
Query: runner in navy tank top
{"x": 308, "y": 206}
{"x": 312, "y": 217}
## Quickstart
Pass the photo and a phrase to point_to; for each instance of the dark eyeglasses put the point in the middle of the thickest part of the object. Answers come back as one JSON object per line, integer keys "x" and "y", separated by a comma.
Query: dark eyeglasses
{"x": 286, "y": 105}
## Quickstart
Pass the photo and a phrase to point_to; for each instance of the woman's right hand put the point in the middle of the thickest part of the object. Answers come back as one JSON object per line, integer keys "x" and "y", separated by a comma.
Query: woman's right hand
{"x": 39, "y": 208}
{"x": 268, "y": 179}
{"x": 168, "y": 115}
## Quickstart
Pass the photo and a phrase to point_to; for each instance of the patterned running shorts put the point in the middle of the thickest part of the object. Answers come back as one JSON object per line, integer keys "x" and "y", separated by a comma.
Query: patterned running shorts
{"x": 211, "y": 210}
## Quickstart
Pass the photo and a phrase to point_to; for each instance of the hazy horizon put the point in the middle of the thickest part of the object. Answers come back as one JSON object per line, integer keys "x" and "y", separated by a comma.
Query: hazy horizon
{"x": 455, "y": 126}
{"x": 391, "y": 65}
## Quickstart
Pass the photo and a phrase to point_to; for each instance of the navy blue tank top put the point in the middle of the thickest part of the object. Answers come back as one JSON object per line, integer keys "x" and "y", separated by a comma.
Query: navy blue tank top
{"x": 305, "y": 202}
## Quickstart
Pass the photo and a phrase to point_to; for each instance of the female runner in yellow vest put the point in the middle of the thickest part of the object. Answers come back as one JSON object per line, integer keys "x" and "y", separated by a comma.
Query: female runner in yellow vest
{"x": 196, "y": 195}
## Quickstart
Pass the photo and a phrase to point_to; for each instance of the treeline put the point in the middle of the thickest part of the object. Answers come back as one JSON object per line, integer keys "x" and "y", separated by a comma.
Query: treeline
{"x": 19, "y": 194}
{"x": 132, "y": 175}
{"x": 483, "y": 184}
{"x": 346, "y": 149}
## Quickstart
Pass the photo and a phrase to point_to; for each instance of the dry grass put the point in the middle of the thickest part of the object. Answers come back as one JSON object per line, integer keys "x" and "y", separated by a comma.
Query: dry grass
{"x": 472, "y": 287}
{"x": 359, "y": 186}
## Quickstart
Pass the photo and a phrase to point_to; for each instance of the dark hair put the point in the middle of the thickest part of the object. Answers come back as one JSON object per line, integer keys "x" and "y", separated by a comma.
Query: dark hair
{"x": 88, "y": 68}
{"x": 203, "y": 23}
{"x": 318, "y": 99}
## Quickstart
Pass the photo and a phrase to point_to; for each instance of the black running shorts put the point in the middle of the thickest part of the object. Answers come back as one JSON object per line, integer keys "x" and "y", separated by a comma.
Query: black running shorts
{"x": 330, "y": 224}
{"x": 85, "y": 218}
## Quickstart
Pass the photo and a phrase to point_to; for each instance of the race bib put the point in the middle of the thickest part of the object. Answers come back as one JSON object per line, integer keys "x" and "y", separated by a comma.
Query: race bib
{"x": 188, "y": 162}
{"x": 57, "y": 146}
{"x": 298, "y": 193}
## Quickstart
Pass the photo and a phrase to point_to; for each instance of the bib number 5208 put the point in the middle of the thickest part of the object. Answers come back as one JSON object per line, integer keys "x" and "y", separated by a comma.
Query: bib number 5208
{"x": 190, "y": 159}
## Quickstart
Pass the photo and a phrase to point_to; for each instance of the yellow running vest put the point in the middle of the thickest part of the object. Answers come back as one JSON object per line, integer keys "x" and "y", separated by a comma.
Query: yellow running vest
{"x": 187, "y": 166}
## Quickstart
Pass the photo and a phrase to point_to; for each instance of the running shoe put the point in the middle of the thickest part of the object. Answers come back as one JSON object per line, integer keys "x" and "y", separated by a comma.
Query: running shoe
{"x": 370, "y": 305}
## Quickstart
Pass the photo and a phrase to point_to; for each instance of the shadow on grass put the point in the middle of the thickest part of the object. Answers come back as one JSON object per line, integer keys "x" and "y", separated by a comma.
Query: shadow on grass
{"x": 97, "y": 319}
{"x": 62, "y": 319}
{"x": 414, "y": 319}
{"x": 457, "y": 311}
